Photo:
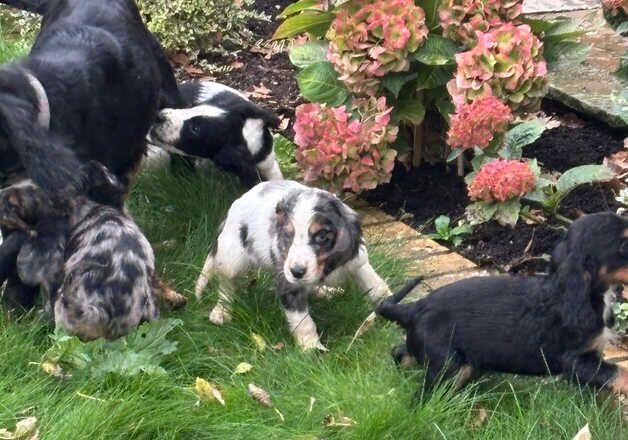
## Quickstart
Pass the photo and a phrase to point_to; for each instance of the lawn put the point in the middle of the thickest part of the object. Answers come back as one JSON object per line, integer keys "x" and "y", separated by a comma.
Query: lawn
{"x": 180, "y": 216}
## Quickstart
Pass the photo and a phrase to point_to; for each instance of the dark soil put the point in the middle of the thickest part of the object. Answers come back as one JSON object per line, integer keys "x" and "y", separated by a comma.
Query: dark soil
{"x": 274, "y": 72}
{"x": 431, "y": 190}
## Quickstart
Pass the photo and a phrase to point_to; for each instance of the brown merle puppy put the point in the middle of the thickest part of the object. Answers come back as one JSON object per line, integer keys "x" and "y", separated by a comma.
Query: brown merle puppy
{"x": 307, "y": 236}
{"x": 552, "y": 324}
{"x": 100, "y": 273}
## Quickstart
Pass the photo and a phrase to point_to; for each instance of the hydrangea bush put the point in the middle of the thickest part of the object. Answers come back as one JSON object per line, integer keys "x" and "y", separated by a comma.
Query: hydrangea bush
{"x": 373, "y": 69}
{"x": 345, "y": 151}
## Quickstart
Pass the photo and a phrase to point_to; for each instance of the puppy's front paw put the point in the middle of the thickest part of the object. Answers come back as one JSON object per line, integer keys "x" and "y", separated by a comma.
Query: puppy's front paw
{"x": 174, "y": 299}
{"x": 219, "y": 315}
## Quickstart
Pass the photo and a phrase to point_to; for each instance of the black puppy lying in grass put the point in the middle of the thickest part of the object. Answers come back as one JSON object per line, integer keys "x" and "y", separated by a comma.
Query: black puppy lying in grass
{"x": 553, "y": 324}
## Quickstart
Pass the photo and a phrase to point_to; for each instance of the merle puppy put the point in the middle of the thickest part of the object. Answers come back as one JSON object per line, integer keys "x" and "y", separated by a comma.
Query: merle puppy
{"x": 90, "y": 89}
{"x": 223, "y": 125}
{"x": 553, "y": 324}
{"x": 307, "y": 236}
{"x": 99, "y": 274}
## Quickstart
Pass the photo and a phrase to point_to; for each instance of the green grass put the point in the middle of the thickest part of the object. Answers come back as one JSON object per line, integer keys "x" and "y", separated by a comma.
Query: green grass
{"x": 180, "y": 216}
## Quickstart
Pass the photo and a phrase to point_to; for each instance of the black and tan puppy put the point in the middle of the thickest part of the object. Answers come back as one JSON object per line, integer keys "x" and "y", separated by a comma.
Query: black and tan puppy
{"x": 554, "y": 324}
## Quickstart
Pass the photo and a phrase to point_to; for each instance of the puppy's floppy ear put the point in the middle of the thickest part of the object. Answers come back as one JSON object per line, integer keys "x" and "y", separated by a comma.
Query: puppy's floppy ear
{"x": 349, "y": 234}
{"x": 47, "y": 161}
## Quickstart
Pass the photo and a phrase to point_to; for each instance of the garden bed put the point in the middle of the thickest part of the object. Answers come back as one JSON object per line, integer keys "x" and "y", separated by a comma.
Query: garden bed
{"x": 421, "y": 194}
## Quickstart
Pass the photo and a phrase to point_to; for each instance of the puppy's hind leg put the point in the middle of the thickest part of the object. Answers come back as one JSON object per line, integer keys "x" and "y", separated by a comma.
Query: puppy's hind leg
{"x": 205, "y": 275}
{"x": 590, "y": 369}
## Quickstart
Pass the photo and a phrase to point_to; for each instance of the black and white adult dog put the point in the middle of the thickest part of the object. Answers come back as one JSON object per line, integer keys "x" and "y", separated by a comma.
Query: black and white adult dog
{"x": 307, "y": 236}
{"x": 223, "y": 125}
{"x": 99, "y": 274}
{"x": 553, "y": 324}
{"x": 90, "y": 89}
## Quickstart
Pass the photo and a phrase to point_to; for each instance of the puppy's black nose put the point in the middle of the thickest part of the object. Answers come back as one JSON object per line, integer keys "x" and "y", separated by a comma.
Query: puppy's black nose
{"x": 298, "y": 271}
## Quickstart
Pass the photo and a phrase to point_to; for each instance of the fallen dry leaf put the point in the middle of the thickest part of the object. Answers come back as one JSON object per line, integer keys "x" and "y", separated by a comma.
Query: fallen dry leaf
{"x": 479, "y": 416}
{"x": 237, "y": 65}
{"x": 194, "y": 71}
{"x": 25, "y": 429}
{"x": 243, "y": 368}
{"x": 260, "y": 92}
{"x": 52, "y": 369}
{"x": 583, "y": 434}
{"x": 260, "y": 343}
{"x": 331, "y": 421}
{"x": 207, "y": 391}
{"x": 260, "y": 395}
{"x": 618, "y": 163}
{"x": 279, "y": 346}
{"x": 284, "y": 124}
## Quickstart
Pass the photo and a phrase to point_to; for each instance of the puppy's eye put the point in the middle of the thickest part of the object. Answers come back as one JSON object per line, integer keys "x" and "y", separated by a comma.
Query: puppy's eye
{"x": 323, "y": 237}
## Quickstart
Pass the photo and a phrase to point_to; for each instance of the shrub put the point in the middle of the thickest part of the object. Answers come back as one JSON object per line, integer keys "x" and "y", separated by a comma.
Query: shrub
{"x": 506, "y": 62}
{"x": 368, "y": 39}
{"x": 501, "y": 180}
{"x": 462, "y": 19}
{"x": 411, "y": 53}
{"x": 342, "y": 151}
{"x": 475, "y": 124}
{"x": 198, "y": 26}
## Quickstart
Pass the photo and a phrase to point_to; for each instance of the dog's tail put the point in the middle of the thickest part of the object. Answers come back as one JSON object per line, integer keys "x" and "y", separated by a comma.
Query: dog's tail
{"x": 393, "y": 311}
{"x": 205, "y": 276}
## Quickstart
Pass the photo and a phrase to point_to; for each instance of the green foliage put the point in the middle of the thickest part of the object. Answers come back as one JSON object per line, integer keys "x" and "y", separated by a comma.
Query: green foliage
{"x": 285, "y": 150}
{"x": 303, "y": 17}
{"x": 551, "y": 194}
{"x": 139, "y": 352}
{"x": 304, "y": 55}
{"x": 520, "y": 136}
{"x": 560, "y": 40}
{"x": 319, "y": 83}
{"x": 199, "y": 26}
{"x": 620, "y": 309}
{"x": 445, "y": 232}
{"x": 437, "y": 51}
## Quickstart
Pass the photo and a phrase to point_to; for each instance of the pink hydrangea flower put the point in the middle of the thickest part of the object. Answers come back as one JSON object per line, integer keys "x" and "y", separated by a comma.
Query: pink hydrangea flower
{"x": 508, "y": 63}
{"x": 371, "y": 38}
{"x": 501, "y": 180}
{"x": 615, "y": 7}
{"x": 475, "y": 124}
{"x": 462, "y": 19}
{"x": 342, "y": 151}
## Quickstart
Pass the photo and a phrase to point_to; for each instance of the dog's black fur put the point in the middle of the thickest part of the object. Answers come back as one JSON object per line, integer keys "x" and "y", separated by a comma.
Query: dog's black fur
{"x": 105, "y": 77}
{"x": 526, "y": 325}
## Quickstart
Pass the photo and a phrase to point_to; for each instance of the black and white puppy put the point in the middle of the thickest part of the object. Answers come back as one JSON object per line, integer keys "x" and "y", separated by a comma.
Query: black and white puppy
{"x": 552, "y": 324}
{"x": 100, "y": 273}
{"x": 89, "y": 89}
{"x": 223, "y": 125}
{"x": 307, "y": 236}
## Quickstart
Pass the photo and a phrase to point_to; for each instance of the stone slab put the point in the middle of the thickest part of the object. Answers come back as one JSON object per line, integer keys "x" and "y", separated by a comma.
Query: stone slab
{"x": 591, "y": 87}
{"x": 373, "y": 216}
{"x": 439, "y": 265}
{"x": 535, "y": 6}
{"x": 429, "y": 285}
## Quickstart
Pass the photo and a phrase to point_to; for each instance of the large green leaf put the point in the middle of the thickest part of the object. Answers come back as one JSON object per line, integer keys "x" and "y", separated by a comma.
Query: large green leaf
{"x": 437, "y": 51}
{"x": 139, "y": 352}
{"x": 581, "y": 175}
{"x": 304, "y": 55}
{"x": 441, "y": 224}
{"x": 297, "y": 7}
{"x": 394, "y": 82}
{"x": 431, "y": 12}
{"x": 622, "y": 29}
{"x": 507, "y": 213}
{"x": 409, "y": 109}
{"x": 430, "y": 77}
{"x": 519, "y": 136}
{"x": 313, "y": 22}
{"x": 480, "y": 212}
{"x": 319, "y": 83}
